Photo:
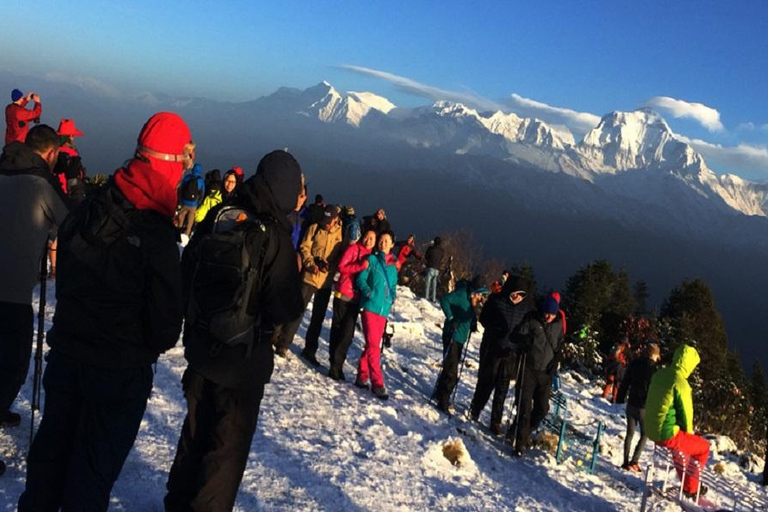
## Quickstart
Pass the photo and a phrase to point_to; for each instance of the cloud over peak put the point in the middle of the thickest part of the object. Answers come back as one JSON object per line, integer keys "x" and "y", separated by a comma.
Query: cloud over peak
{"x": 578, "y": 122}
{"x": 708, "y": 117}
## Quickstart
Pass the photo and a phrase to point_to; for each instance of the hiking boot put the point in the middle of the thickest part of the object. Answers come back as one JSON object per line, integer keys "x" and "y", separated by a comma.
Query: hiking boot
{"x": 2, "y": 468}
{"x": 517, "y": 452}
{"x": 474, "y": 416}
{"x": 336, "y": 374}
{"x": 10, "y": 419}
{"x": 363, "y": 384}
{"x": 380, "y": 392}
{"x": 496, "y": 429}
{"x": 310, "y": 358}
{"x": 446, "y": 408}
{"x": 692, "y": 495}
{"x": 281, "y": 352}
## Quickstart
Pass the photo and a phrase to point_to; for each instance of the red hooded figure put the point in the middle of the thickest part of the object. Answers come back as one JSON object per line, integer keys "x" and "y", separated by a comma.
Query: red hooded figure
{"x": 150, "y": 179}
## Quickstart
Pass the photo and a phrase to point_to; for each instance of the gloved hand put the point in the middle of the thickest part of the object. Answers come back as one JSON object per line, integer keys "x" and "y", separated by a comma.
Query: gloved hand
{"x": 321, "y": 264}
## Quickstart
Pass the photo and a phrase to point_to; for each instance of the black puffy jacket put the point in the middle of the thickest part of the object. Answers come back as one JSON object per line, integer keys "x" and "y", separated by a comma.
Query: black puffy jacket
{"x": 499, "y": 319}
{"x": 542, "y": 342}
{"x": 118, "y": 289}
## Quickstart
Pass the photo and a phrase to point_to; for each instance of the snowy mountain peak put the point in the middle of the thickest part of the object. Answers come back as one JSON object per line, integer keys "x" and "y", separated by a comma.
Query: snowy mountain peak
{"x": 349, "y": 108}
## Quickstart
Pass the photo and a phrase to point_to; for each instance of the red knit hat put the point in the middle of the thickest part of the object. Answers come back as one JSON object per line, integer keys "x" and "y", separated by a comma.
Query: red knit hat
{"x": 151, "y": 184}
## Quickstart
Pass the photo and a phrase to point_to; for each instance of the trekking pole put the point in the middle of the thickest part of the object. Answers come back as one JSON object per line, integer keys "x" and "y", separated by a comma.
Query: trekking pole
{"x": 514, "y": 399}
{"x": 446, "y": 351}
{"x": 38, "y": 376}
{"x": 521, "y": 377}
{"x": 461, "y": 368}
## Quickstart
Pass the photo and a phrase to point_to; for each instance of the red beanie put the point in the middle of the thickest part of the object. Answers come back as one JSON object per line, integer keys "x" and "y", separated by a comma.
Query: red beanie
{"x": 152, "y": 184}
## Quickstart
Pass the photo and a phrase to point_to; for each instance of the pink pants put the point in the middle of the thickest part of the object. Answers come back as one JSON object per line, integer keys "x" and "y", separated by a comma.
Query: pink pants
{"x": 692, "y": 446}
{"x": 370, "y": 361}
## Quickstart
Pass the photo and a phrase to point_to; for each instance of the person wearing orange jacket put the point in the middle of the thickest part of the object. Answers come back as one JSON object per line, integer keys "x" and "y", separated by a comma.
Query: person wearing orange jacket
{"x": 18, "y": 116}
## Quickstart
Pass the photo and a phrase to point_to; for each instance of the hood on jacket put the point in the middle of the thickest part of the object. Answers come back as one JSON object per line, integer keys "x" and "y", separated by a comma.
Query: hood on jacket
{"x": 685, "y": 360}
{"x": 149, "y": 181}
{"x": 197, "y": 170}
{"x": 18, "y": 158}
{"x": 515, "y": 284}
{"x": 275, "y": 187}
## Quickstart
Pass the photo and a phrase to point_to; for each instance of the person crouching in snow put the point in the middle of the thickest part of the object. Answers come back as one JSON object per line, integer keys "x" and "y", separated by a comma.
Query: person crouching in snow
{"x": 377, "y": 284}
{"x": 459, "y": 308}
{"x": 669, "y": 415}
{"x": 540, "y": 338}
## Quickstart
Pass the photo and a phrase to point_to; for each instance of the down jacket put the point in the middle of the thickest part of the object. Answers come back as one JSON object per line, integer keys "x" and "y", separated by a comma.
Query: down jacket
{"x": 669, "y": 406}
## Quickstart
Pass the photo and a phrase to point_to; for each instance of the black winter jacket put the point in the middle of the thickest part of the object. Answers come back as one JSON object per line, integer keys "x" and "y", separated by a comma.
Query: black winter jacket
{"x": 541, "y": 341}
{"x": 278, "y": 300}
{"x": 434, "y": 256}
{"x": 118, "y": 290}
{"x": 499, "y": 318}
{"x": 636, "y": 381}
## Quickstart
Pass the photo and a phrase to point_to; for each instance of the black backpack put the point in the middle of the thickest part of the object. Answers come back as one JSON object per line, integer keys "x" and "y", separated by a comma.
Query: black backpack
{"x": 228, "y": 266}
{"x": 191, "y": 191}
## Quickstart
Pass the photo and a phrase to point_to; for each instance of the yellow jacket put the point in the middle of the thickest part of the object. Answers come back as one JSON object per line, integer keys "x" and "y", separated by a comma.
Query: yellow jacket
{"x": 324, "y": 244}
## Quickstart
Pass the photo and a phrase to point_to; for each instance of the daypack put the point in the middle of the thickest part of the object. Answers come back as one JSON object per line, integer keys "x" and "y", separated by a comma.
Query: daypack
{"x": 228, "y": 268}
{"x": 190, "y": 190}
{"x": 352, "y": 233}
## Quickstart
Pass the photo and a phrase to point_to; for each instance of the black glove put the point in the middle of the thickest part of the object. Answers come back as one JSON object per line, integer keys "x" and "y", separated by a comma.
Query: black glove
{"x": 321, "y": 264}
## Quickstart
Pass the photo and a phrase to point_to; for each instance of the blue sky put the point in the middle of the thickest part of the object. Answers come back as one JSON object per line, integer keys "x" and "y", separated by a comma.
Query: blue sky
{"x": 703, "y": 61}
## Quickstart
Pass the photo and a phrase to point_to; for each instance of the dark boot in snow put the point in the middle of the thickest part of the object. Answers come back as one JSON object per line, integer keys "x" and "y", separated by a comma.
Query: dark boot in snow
{"x": 380, "y": 392}
{"x": 336, "y": 374}
{"x": 310, "y": 358}
{"x": 361, "y": 384}
{"x": 2, "y": 468}
{"x": 496, "y": 429}
{"x": 10, "y": 419}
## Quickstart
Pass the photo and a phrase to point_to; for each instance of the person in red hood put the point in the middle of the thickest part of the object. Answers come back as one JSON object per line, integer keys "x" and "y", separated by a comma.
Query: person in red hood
{"x": 119, "y": 306}
{"x": 18, "y": 116}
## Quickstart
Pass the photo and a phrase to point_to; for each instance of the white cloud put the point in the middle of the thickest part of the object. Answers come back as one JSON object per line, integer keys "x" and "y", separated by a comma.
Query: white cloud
{"x": 750, "y": 127}
{"x": 88, "y": 84}
{"x": 578, "y": 122}
{"x": 743, "y": 157}
{"x": 708, "y": 117}
{"x": 427, "y": 91}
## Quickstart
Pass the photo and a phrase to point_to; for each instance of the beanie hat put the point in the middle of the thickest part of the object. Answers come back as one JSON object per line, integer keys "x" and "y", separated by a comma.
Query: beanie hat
{"x": 550, "y": 306}
{"x": 282, "y": 173}
{"x": 16, "y": 95}
{"x": 214, "y": 176}
{"x": 67, "y": 128}
{"x": 476, "y": 286}
{"x": 349, "y": 210}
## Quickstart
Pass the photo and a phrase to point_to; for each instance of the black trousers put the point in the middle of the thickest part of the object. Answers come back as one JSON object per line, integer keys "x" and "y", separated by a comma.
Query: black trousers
{"x": 533, "y": 404}
{"x": 494, "y": 376}
{"x": 449, "y": 375}
{"x": 345, "y": 313}
{"x": 91, "y": 419}
{"x": 319, "y": 307}
{"x": 16, "y": 335}
{"x": 288, "y": 331}
{"x": 214, "y": 445}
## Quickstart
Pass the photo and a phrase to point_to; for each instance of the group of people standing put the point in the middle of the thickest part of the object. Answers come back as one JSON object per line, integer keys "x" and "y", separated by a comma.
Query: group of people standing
{"x": 123, "y": 296}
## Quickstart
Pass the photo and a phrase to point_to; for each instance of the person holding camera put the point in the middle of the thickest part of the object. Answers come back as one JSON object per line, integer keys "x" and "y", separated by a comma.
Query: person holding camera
{"x": 18, "y": 116}
{"x": 320, "y": 253}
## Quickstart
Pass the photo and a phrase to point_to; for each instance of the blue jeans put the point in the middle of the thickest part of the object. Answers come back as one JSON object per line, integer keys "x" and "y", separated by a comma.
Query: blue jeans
{"x": 430, "y": 277}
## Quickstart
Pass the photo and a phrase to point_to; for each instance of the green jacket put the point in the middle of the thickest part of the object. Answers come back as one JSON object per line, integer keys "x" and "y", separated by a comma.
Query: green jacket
{"x": 211, "y": 200}
{"x": 669, "y": 406}
{"x": 459, "y": 313}
{"x": 378, "y": 284}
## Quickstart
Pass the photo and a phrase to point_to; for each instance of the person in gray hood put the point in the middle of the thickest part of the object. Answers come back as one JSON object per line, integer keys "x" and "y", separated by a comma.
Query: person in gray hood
{"x": 33, "y": 205}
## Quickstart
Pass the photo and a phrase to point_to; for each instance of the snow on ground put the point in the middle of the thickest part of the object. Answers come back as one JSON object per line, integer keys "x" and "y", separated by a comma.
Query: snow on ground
{"x": 326, "y": 445}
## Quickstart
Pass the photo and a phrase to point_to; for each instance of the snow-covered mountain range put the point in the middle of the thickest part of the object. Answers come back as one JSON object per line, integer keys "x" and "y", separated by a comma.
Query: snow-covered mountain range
{"x": 622, "y": 142}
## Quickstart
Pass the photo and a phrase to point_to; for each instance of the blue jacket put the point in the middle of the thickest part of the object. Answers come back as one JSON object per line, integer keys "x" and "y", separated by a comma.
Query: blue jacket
{"x": 377, "y": 284}
{"x": 459, "y": 313}
{"x": 195, "y": 173}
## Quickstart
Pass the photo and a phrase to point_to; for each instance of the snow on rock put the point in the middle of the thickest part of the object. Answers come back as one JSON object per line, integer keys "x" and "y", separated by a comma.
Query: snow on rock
{"x": 327, "y": 445}
{"x": 349, "y": 108}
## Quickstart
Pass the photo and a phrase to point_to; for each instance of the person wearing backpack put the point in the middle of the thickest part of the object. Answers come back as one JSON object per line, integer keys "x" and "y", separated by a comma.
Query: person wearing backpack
{"x": 118, "y": 306}
{"x": 378, "y": 287}
{"x": 225, "y": 193}
{"x": 320, "y": 252}
{"x": 227, "y": 331}
{"x": 192, "y": 191}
